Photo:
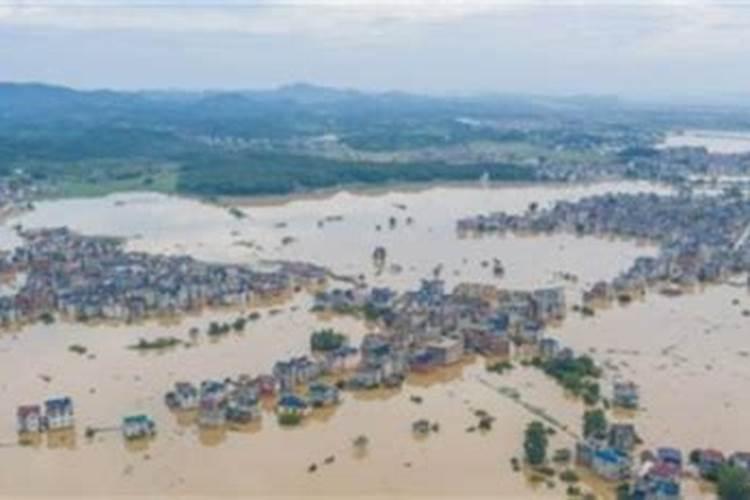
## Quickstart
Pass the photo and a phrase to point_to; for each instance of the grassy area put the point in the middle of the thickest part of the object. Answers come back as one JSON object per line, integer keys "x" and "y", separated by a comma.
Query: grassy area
{"x": 252, "y": 173}
{"x": 164, "y": 181}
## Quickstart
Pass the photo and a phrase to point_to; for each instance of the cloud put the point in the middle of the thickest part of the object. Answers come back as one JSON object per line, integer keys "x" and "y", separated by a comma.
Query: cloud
{"x": 434, "y": 45}
{"x": 310, "y": 17}
{"x": 264, "y": 17}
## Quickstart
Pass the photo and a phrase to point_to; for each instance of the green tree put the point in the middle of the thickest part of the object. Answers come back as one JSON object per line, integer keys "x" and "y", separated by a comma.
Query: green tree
{"x": 594, "y": 422}
{"x": 733, "y": 484}
{"x": 327, "y": 339}
{"x": 622, "y": 491}
{"x": 535, "y": 443}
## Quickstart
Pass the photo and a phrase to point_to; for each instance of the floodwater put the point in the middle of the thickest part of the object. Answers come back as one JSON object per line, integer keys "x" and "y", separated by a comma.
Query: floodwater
{"x": 715, "y": 141}
{"x": 689, "y": 354}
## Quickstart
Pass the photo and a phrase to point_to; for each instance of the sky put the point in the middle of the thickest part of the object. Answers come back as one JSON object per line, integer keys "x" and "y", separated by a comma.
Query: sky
{"x": 638, "y": 48}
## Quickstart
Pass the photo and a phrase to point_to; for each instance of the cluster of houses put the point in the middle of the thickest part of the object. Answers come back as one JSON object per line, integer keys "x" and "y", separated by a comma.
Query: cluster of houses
{"x": 83, "y": 277}
{"x": 421, "y": 330}
{"x": 702, "y": 238}
{"x": 610, "y": 456}
{"x": 687, "y": 162}
{"x": 658, "y": 473}
{"x": 637, "y": 161}
{"x": 16, "y": 194}
{"x": 431, "y": 327}
{"x": 219, "y": 403}
{"x": 55, "y": 414}
{"x": 661, "y": 471}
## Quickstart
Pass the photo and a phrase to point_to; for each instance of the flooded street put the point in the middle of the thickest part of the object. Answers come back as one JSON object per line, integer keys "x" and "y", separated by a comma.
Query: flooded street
{"x": 690, "y": 355}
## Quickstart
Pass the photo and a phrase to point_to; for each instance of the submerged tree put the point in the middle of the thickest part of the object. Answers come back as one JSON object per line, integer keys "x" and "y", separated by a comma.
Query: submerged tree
{"x": 535, "y": 443}
{"x": 594, "y": 423}
{"x": 327, "y": 339}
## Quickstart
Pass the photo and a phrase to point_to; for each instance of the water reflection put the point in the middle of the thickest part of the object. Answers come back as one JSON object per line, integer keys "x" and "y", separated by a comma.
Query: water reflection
{"x": 212, "y": 436}
{"x": 61, "y": 439}
{"x": 139, "y": 445}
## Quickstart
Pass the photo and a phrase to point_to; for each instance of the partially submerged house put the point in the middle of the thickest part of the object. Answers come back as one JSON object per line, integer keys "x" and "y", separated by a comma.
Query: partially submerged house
{"x": 183, "y": 397}
{"x": 320, "y": 395}
{"x": 625, "y": 395}
{"x": 292, "y": 405}
{"x": 296, "y": 371}
{"x": 710, "y": 461}
{"x": 58, "y": 413}
{"x": 658, "y": 481}
{"x": 29, "y": 418}
{"x": 549, "y": 347}
{"x": 242, "y": 406}
{"x": 611, "y": 464}
{"x": 607, "y": 462}
{"x": 212, "y": 405}
{"x": 138, "y": 427}
{"x": 622, "y": 437}
{"x": 446, "y": 351}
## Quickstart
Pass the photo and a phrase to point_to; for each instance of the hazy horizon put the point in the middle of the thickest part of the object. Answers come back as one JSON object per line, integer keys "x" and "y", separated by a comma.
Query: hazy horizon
{"x": 641, "y": 50}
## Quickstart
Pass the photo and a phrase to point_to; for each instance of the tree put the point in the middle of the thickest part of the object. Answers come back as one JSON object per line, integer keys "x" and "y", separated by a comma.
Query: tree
{"x": 594, "y": 423}
{"x": 733, "y": 483}
{"x": 623, "y": 491}
{"x": 535, "y": 443}
{"x": 327, "y": 340}
{"x": 239, "y": 324}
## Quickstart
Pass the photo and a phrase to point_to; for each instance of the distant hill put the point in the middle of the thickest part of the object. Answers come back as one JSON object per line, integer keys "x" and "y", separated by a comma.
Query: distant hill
{"x": 304, "y": 136}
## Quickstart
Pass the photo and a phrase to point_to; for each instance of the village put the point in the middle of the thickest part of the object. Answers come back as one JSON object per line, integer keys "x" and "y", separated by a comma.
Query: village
{"x": 16, "y": 195}
{"x": 95, "y": 278}
{"x": 420, "y": 331}
{"x": 673, "y": 165}
{"x": 702, "y": 238}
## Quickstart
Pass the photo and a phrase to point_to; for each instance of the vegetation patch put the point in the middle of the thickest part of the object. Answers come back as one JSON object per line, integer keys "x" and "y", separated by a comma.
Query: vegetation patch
{"x": 578, "y": 375}
{"x": 155, "y": 344}
{"x": 326, "y": 340}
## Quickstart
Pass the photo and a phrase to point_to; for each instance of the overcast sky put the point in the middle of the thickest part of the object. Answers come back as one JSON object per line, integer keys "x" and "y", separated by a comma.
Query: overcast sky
{"x": 635, "y": 48}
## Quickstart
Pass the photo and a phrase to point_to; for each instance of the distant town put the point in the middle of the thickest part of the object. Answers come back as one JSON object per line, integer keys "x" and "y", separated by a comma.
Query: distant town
{"x": 703, "y": 238}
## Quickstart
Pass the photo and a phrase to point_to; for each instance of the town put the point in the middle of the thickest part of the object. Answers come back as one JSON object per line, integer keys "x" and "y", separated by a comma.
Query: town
{"x": 703, "y": 238}
{"x": 16, "y": 195}
{"x": 84, "y": 277}
{"x": 420, "y": 331}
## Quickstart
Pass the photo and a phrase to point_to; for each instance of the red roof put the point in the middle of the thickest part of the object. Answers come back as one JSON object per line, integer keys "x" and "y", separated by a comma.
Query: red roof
{"x": 26, "y": 410}
{"x": 664, "y": 470}
{"x": 712, "y": 455}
